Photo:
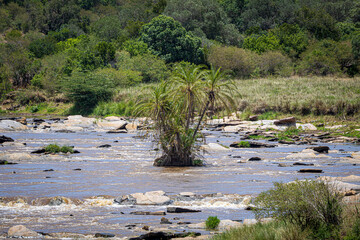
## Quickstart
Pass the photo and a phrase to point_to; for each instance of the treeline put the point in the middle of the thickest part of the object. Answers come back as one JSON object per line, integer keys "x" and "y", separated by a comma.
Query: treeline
{"x": 79, "y": 45}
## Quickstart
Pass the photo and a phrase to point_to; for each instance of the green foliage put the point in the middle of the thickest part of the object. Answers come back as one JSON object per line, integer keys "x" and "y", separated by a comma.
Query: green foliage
{"x": 212, "y": 222}
{"x": 54, "y": 148}
{"x": 355, "y": 42}
{"x": 244, "y": 144}
{"x": 319, "y": 23}
{"x": 262, "y": 43}
{"x": 135, "y": 47}
{"x": 293, "y": 41}
{"x": 169, "y": 40}
{"x": 86, "y": 90}
{"x": 42, "y": 47}
{"x": 121, "y": 77}
{"x": 121, "y": 108}
{"x": 309, "y": 204}
{"x": 109, "y": 28}
{"x": 288, "y": 134}
{"x": 205, "y": 18}
{"x": 268, "y": 115}
{"x": 59, "y": 12}
{"x": 151, "y": 67}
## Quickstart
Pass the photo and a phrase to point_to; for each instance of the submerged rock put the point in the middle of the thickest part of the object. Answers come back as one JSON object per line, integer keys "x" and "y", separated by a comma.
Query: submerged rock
{"x": 214, "y": 147}
{"x": 286, "y": 121}
{"x": 104, "y": 235}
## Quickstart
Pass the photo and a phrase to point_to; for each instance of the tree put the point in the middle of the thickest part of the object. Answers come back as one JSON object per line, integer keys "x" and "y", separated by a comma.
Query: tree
{"x": 204, "y": 18}
{"x": 178, "y": 108}
{"x": 169, "y": 40}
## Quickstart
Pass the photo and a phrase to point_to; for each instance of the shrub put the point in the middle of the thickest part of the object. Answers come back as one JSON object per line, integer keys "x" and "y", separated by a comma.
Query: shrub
{"x": 86, "y": 90}
{"x": 309, "y": 204}
{"x": 28, "y": 96}
{"x": 240, "y": 61}
{"x": 212, "y": 222}
{"x": 54, "y": 148}
{"x": 135, "y": 47}
{"x": 121, "y": 78}
{"x": 274, "y": 63}
{"x": 42, "y": 47}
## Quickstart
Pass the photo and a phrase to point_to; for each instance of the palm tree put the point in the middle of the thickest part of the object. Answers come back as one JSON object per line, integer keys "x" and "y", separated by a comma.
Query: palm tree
{"x": 174, "y": 105}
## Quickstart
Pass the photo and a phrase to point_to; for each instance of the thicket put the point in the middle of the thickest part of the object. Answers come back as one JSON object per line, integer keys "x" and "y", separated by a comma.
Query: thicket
{"x": 44, "y": 45}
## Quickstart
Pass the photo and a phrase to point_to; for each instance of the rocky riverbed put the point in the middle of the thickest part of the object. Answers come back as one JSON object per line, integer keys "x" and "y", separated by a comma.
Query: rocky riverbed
{"x": 110, "y": 188}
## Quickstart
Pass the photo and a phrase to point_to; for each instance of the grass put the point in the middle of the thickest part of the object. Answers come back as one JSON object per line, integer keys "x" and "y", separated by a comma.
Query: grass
{"x": 321, "y": 98}
{"x": 288, "y": 134}
{"x": 259, "y": 137}
{"x": 267, "y": 231}
{"x": 244, "y": 144}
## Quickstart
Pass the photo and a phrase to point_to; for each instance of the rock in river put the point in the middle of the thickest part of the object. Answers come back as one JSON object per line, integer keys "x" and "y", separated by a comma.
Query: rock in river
{"x": 253, "y": 145}
{"x": 20, "y": 231}
{"x": 4, "y": 138}
{"x": 180, "y": 210}
{"x": 10, "y": 125}
{"x": 151, "y": 198}
{"x": 310, "y": 170}
{"x": 320, "y": 149}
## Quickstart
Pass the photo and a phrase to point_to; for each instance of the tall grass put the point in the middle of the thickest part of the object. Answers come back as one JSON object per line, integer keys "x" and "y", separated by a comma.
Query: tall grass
{"x": 267, "y": 231}
{"x": 295, "y": 95}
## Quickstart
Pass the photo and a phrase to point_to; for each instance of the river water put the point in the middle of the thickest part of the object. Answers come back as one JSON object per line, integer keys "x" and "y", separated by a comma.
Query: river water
{"x": 90, "y": 181}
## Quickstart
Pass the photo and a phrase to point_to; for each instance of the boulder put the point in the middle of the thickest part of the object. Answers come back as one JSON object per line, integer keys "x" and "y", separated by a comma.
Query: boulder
{"x": 112, "y": 125}
{"x": 151, "y": 198}
{"x": 16, "y": 156}
{"x": 164, "y": 220}
{"x": 4, "y": 138}
{"x": 305, "y": 155}
{"x": 157, "y": 213}
{"x": 320, "y": 149}
{"x": 80, "y": 121}
{"x": 213, "y": 147}
{"x": 10, "y": 125}
{"x": 250, "y": 221}
{"x": 20, "y": 231}
{"x": 132, "y": 127}
{"x": 104, "y": 146}
{"x": 253, "y": 118}
{"x": 181, "y": 210}
{"x": 303, "y": 164}
{"x": 104, "y": 235}
{"x": 307, "y": 126}
{"x": 187, "y": 194}
{"x": 227, "y": 224}
{"x": 290, "y": 121}
{"x": 113, "y": 118}
{"x": 254, "y": 159}
{"x": 310, "y": 170}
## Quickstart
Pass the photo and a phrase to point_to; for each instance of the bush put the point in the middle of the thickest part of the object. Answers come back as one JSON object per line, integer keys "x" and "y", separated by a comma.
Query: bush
{"x": 120, "y": 78}
{"x": 24, "y": 97}
{"x": 86, "y": 90}
{"x": 274, "y": 63}
{"x": 212, "y": 222}
{"x": 240, "y": 61}
{"x": 308, "y": 204}
{"x": 42, "y": 47}
{"x": 54, "y": 148}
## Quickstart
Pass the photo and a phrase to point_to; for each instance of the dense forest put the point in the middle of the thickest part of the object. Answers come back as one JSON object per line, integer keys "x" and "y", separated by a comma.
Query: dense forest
{"x": 78, "y": 48}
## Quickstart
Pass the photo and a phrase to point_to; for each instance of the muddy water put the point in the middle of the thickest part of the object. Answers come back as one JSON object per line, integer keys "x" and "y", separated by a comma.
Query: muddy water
{"x": 92, "y": 179}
